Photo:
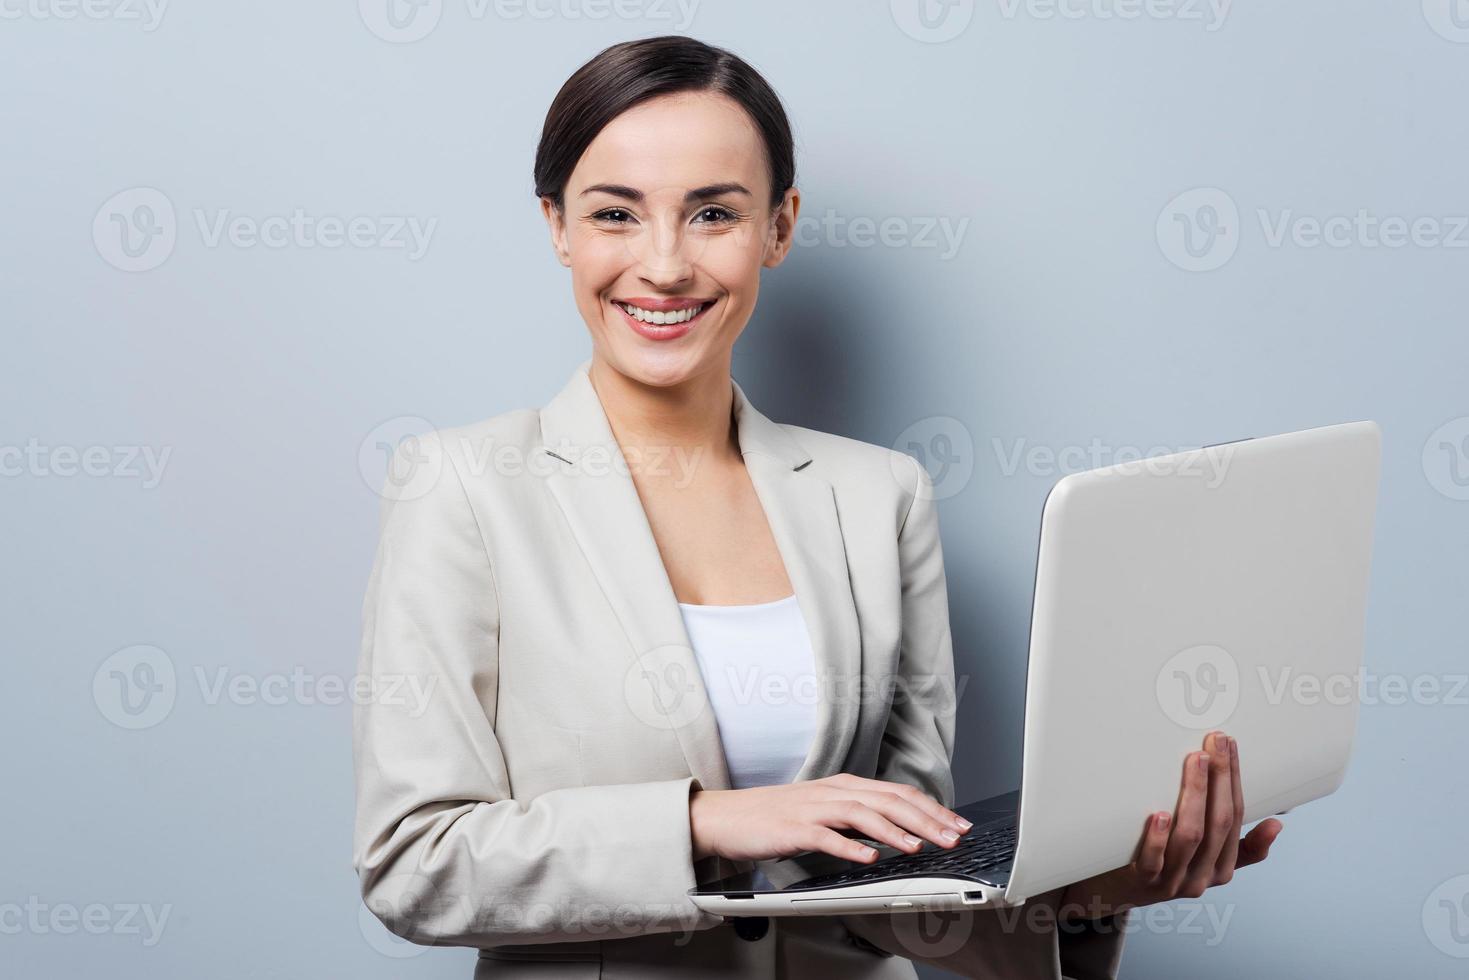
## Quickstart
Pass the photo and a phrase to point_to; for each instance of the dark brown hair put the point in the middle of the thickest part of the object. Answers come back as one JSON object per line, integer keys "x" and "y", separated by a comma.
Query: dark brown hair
{"x": 630, "y": 73}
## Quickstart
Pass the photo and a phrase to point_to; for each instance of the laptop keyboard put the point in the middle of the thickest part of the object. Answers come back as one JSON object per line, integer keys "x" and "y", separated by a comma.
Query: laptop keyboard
{"x": 979, "y": 851}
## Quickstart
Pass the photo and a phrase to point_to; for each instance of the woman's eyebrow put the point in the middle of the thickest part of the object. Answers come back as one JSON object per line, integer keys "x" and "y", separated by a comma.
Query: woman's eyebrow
{"x": 698, "y": 193}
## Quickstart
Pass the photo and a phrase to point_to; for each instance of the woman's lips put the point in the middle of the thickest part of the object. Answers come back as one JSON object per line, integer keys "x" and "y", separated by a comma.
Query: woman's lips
{"x": 661, "y": 331}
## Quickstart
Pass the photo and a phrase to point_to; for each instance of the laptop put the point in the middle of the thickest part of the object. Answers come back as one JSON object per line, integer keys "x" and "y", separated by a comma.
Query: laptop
{"x": 1217, "y": 588}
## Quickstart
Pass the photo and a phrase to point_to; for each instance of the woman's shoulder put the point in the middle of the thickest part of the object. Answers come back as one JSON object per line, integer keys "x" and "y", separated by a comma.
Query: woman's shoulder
{"x": 853, "y": 464}
{"x": 514, "y": 427}
{"x": 506, "y": 444}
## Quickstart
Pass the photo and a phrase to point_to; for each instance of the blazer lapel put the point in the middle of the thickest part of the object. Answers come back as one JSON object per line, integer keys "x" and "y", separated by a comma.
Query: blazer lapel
{"x": 590, "y": 482}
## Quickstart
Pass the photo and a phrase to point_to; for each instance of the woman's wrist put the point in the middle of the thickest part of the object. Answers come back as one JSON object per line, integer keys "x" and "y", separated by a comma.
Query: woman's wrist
{"x": 700, "y": 844}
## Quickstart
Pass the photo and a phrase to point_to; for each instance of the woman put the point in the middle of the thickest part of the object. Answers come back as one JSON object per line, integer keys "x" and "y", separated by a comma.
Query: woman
{"x": 594, "y": 589}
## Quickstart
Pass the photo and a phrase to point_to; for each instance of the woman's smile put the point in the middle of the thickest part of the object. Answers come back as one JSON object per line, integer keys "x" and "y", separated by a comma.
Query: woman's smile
{"x": 662, "y": 319}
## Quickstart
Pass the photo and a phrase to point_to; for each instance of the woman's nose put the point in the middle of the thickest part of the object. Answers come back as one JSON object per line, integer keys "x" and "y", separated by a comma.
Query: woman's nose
{"x": 664, "y": 254}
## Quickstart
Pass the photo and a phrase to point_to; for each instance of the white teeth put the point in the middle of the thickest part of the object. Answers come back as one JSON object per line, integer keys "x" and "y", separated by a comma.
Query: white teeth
{"x": 662, "y": 319}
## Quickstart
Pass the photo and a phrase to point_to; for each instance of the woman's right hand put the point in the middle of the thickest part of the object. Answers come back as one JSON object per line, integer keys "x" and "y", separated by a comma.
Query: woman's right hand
{"x": 769, "y": 822}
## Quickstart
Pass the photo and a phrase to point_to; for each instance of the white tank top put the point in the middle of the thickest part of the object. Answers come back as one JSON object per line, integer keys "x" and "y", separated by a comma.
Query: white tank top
{"x": 760, "y": 673}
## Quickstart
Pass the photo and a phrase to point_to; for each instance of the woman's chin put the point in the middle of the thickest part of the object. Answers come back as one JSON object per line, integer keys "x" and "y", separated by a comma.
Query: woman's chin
{"x": 660, "y": 365}
{"x": 662, "y": 369}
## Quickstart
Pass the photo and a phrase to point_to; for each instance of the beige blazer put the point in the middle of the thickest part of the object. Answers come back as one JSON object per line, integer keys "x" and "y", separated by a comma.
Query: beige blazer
{"x": 531, "y": 800}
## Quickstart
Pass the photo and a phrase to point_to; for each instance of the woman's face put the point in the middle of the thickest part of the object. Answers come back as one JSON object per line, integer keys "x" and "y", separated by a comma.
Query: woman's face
{"x": 667, "y": 225}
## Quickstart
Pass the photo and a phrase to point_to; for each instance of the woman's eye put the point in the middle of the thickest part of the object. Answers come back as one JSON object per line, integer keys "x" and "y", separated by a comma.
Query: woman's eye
{"x": 616, "y": 216}
{"x": 718, "y": 214}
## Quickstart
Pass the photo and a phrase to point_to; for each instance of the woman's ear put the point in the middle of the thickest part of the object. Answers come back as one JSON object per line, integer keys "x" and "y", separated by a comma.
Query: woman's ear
{"x": 782, "y": 232}
{"x": 556, "y": 222}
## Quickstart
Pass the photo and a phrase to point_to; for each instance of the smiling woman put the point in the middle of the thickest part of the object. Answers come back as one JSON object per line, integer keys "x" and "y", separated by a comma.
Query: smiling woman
{"x": 577, "y": 773}
{"x": 666, "y": 172}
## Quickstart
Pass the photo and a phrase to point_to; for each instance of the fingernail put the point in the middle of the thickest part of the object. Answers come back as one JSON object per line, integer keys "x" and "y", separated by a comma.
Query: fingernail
{"x": 1162, "y": 820}
{"x": 951, "y": 835}
{"x": 911, "y": 840}
{"x": 962, "y": 824}
{"x": 1203, "y": 762}
{"x": 1234, "y": 749}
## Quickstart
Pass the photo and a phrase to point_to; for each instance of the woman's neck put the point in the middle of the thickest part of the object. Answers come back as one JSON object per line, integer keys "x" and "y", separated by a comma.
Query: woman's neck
{"x": 668, "y": 428}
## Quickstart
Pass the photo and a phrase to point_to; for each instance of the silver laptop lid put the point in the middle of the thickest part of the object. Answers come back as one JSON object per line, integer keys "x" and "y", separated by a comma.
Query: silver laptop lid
{"x": 1217, "y": 588}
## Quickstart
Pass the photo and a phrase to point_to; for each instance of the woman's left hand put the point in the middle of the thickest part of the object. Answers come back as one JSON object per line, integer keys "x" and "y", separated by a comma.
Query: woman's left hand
{"x": 1199, "y": 848}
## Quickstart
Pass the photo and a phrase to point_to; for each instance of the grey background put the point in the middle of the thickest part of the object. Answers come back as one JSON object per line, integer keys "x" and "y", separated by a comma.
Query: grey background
{"x": 1063, "y": 320}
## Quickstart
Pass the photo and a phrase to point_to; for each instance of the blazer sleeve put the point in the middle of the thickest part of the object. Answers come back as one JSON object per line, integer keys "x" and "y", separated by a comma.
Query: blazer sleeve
{"x": 1025, "y": 943}
{"x": 446, "y": 855}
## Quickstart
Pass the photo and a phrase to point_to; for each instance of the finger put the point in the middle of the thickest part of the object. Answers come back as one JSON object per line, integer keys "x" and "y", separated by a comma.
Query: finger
{"x": 875, "y": 826}
{"x": 908, "y": 816}
{"x": 828, "y": 841}
{"x": 911, "y": 794}
{"x": 1152, "y": 850}
{"x": 1229, "y": 856}
{"x": 1188, "y": 821}
{"x": 1256, "y": 845}
{"x": 1218, "y": 819}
